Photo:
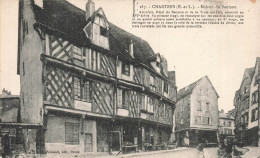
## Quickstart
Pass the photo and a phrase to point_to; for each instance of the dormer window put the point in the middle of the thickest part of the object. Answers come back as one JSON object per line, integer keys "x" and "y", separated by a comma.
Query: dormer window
{"x": 103, "y": 31}
{"x": 126, "y": 69}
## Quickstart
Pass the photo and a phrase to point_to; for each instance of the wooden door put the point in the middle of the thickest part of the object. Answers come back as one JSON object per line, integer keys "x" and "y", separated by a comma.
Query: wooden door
{"x": 115, "y": 138}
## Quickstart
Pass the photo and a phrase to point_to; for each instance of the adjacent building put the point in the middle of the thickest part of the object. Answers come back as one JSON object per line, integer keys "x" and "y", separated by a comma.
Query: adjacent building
{"x": 253, "y": 121}
{"x": 247, "y": 107}
{"x": 196, "y": 114}
{"x": 90, "y": 85}
{"x": 226, "y": 125}
{"x": 9, "y": 115}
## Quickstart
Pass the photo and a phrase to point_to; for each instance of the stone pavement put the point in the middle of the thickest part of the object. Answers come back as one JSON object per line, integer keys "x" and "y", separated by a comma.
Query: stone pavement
{"x": 141, "y": 153}
{"x": 254, "y": 152}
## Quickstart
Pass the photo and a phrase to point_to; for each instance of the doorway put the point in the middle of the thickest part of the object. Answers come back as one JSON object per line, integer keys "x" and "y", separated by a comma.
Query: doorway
{"x": 115, "y": 140}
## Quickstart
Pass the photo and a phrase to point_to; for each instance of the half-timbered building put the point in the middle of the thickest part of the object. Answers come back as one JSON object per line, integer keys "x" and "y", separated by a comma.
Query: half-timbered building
{"x": 241, "y": 103}
{"x": 91, "y": 85}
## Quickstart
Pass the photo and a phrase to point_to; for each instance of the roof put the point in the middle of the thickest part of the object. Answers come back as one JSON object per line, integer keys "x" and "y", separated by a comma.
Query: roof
{"x": 250, "y": 72}
{"x": 258, "y": 61}
{"x": 62, "y": 16}
{"x": 228, "y": 115}
{"x": 188, "y": 89}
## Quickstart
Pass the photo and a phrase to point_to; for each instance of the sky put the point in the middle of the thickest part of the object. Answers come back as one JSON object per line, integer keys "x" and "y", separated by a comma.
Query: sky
{"x": 220, "y": 52}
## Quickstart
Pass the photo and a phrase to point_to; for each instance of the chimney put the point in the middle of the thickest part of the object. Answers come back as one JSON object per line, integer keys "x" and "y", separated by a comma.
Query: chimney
{"x": 90, "y": 8}
{"x": 164, "y": 65}
{"x": 6, "y": 92}
{"x": 171, "y": 75}
{"x": 131, "y": 48}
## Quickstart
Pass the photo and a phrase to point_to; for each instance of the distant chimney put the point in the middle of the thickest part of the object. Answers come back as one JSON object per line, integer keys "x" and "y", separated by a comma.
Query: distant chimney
{"x": 164, "y": 65}
{"x": 171, "y": 75}
{"x": 90, "y": 8}
{"x": 6, "y": 92}
{"x": 131, "y": 48}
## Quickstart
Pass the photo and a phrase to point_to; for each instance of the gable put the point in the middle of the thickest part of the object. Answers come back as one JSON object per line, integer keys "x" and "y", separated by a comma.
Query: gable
{"x": 205, "y": 85}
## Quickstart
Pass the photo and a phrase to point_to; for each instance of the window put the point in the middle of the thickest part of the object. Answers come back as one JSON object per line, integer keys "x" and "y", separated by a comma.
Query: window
{"x": 229, "y": 131}
{"x": 254, "y": 115}
{"x": 82, "y": 90}
{"x": 95, "y": 62}
{"x": 103, "y": 31}
{"x": 197, "y": 119}
{"x": 229, "y": 123}
{"x": 142, "y": 102}
{"x": 149, "y": 105}
{"x": 256, "y": 80}
{"x": 245, "y": 117}
{"x": 207, "y": 106}
{"x": 125, "y": 100}
{"x": 181, "y": 120}
{"x": 88, "y": 142}
{"x": 201, "y": 92}
{"x": 199, "y": 106}
{"x": 255, "y": 97}
{"x": 164, "y": 110}
{"x": 165, "y": 87}
{"x": 152, "y": 83}
{"x": 71, "y": 133}
{"x": 209, "y": 121}
{"x": 126, "y": 69}
{"x": 207, "y": 92}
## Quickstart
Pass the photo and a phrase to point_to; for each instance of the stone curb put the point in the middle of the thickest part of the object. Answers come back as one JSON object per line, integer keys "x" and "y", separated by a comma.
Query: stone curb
{"x": 152, "y": 152}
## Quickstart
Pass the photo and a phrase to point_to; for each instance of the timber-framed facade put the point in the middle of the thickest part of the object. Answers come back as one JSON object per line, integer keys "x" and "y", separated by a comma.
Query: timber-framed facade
{"x": 91, "y": 85}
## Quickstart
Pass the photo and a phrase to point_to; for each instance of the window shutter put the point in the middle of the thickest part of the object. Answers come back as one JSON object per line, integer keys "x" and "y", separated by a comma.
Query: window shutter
{"x": 119, "y": 98}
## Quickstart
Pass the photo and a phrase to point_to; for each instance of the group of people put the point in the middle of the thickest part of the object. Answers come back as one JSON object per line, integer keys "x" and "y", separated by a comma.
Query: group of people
{"x": 229, "y": 148}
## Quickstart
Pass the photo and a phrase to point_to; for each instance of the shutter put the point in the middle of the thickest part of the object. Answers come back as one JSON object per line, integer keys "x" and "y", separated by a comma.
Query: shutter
{"x": 119, "y": 97}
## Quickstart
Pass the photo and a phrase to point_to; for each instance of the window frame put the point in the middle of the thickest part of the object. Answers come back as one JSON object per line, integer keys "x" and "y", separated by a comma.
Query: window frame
{"x": 82, "y": 90}
{"x": 199, "y": 106}
{"x": 125, "y": 95}
{"x": 165, "y": 87}
{"x": 103, "y": 31}
{"x": 207, "y": 106}
{"x": 124, "y": 69}
{"x": 73, "y": 133}
{"x": 255, "y": 98}
{"x": 152, "y": 82}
